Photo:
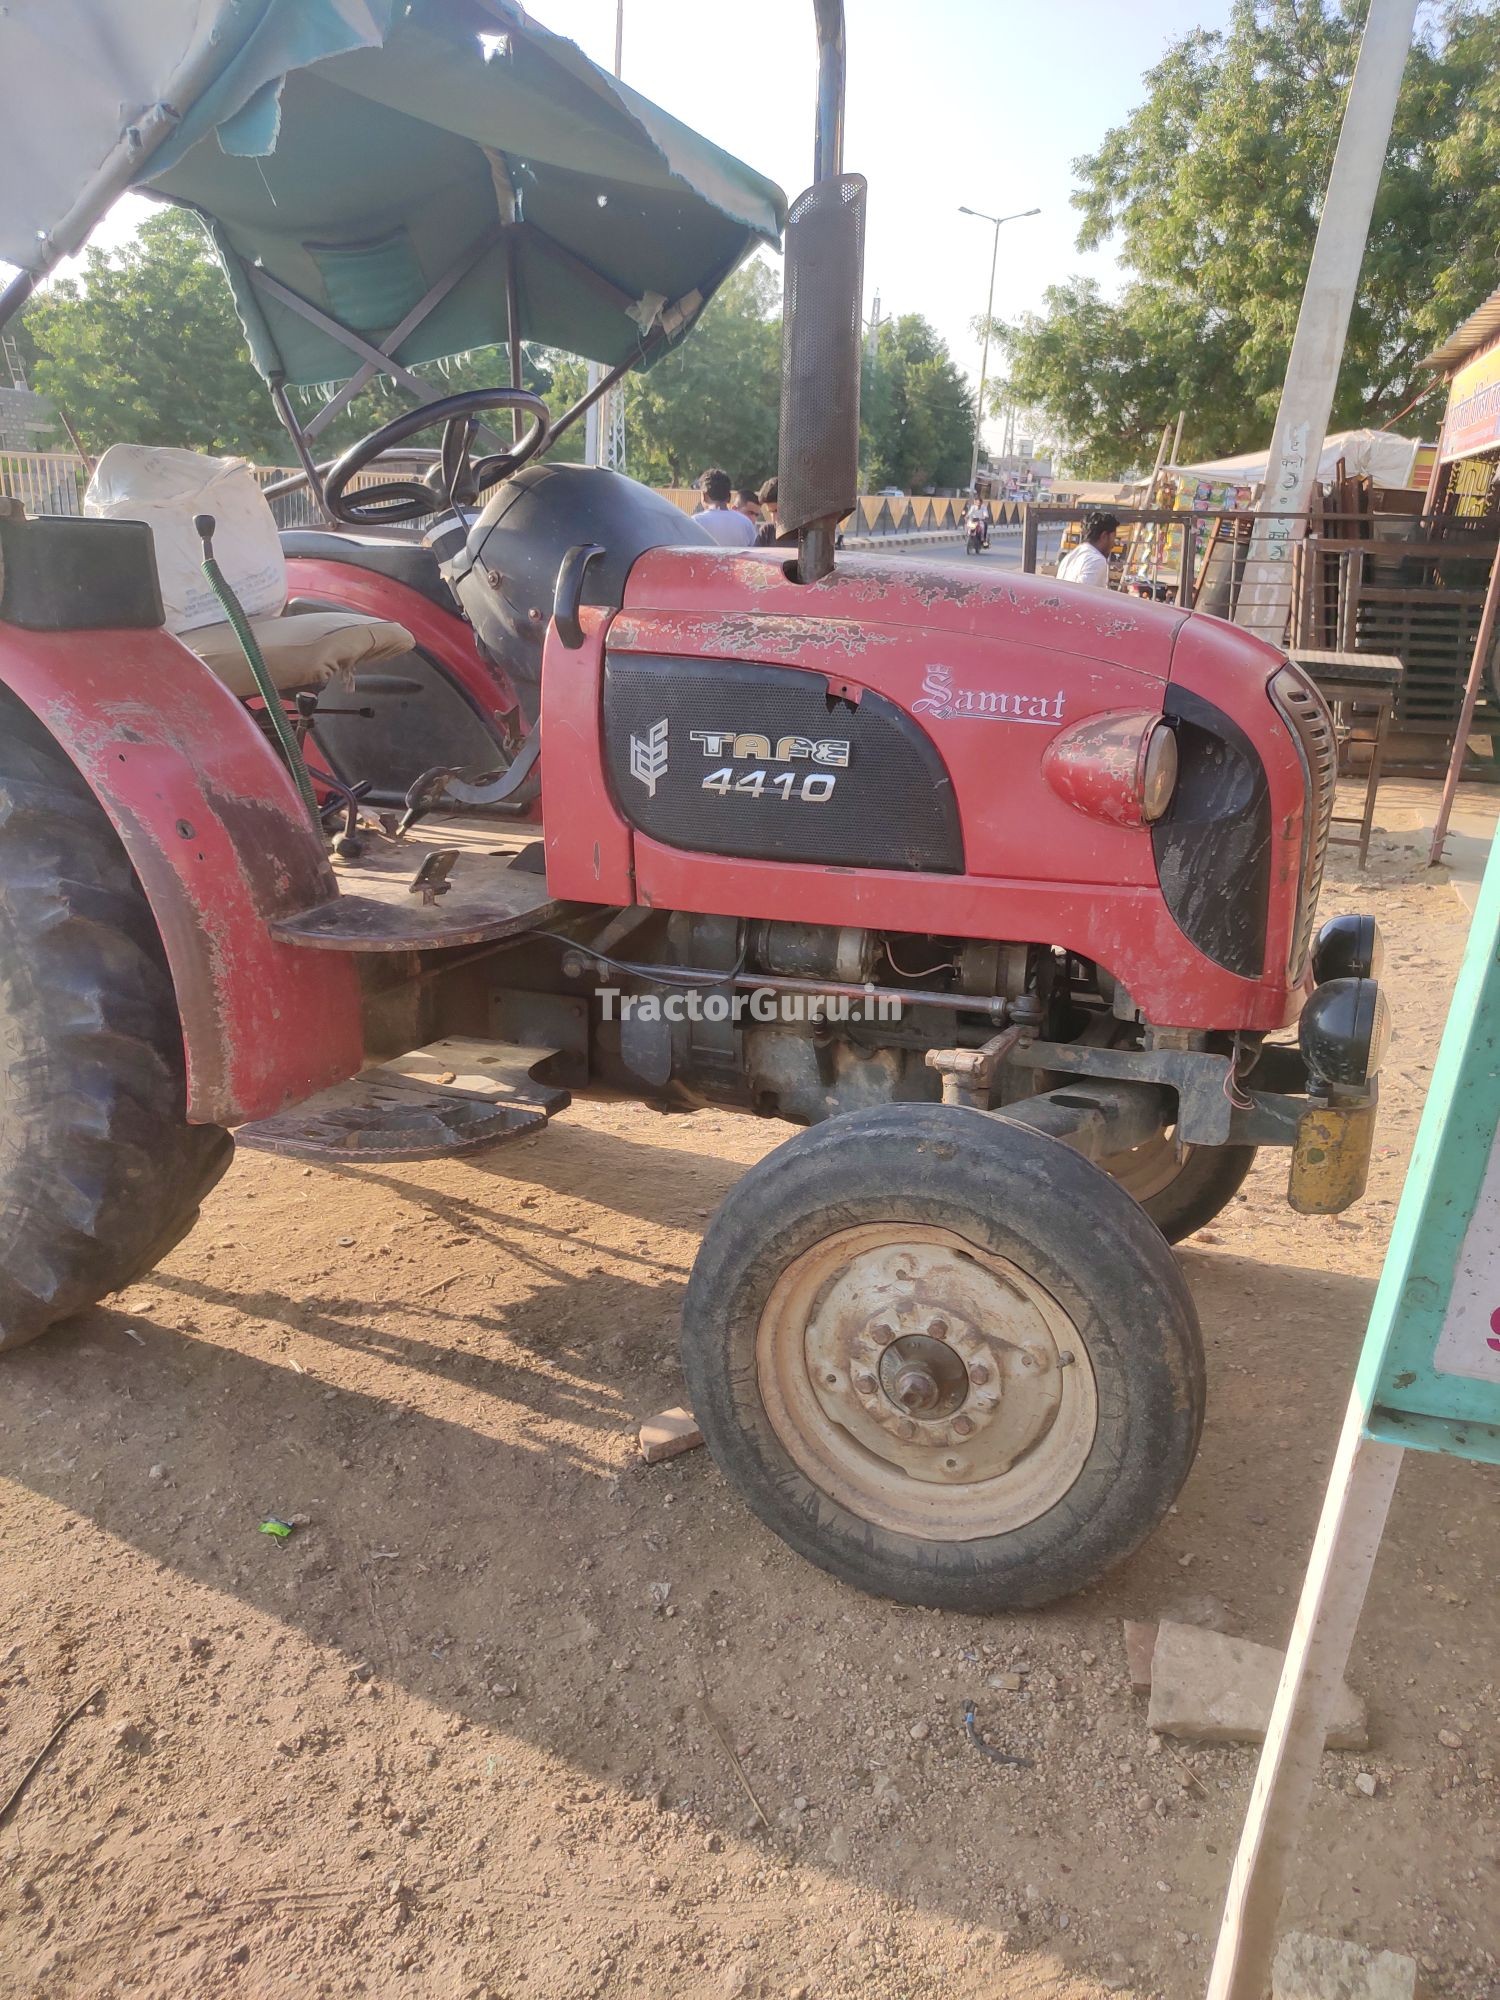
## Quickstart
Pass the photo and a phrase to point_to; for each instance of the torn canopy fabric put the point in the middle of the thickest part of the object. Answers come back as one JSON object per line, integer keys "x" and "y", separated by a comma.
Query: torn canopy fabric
{"x": 391, "y": 160}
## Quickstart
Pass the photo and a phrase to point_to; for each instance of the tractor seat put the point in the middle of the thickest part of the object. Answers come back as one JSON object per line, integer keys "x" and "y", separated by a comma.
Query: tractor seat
{"x": 301, "y": 649}
{"x": 409, "y": 563}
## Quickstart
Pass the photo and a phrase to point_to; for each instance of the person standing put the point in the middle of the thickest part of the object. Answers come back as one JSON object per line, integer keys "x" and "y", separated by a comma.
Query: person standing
{"x": 1089, "y": 562}
{"x": 766, "y": 533}
{"x": 717, "y": 518}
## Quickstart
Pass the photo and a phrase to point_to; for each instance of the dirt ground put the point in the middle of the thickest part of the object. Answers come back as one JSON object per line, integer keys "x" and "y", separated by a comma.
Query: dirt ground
{"x": 463, "y": 1734}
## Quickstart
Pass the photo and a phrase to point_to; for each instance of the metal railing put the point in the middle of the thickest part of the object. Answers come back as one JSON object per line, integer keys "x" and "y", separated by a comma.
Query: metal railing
{"x": 45, "y": 482}
{"x": 52, "y": 482}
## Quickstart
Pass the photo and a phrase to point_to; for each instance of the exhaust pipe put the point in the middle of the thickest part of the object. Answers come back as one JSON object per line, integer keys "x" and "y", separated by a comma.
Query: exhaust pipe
{"x": 828, "y": 148}
{"x": 822, "y": 327}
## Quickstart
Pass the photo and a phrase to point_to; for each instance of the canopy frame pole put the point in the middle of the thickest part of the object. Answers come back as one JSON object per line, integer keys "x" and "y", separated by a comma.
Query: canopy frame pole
{"x": 513, "y": 321}
{"x": 600, "y": 388}
{"x": 345, "y": 336}
{"x": 312, "y": 472}
{"x": 380, "y": 361}
{"x": 604, "y": 288}
{"x": 429, "y": 301}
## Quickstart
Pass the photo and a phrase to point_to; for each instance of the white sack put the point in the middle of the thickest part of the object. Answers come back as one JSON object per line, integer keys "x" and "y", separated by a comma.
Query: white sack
{"x": 166, "y": 487}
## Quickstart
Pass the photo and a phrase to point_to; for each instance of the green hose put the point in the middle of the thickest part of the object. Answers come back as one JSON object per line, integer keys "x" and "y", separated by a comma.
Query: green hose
{"x": 260, "y": 672}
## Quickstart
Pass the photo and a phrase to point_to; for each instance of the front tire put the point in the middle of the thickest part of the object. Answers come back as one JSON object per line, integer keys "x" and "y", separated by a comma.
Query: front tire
{"x": 100, "y": 1172}
{"x": 943, "y": 1357}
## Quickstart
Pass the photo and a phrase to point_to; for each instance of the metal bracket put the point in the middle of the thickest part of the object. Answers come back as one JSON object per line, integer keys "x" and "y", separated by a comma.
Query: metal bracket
{"x": 969, "y": 1074}
{"x": 431, "y": 879}
{"x": 1201, "y": 1080}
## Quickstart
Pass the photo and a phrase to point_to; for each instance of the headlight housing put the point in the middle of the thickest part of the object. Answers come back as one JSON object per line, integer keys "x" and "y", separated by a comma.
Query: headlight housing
{"x": 1348, "y": 948}
{"x": 1344, "y": 1032}
{"x": 1120, "y": 766}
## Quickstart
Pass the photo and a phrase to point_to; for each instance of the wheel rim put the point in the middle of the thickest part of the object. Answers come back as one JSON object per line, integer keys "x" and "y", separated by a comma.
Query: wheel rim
{"x": 932, "y": 1388}
{"x": 1148, "y": 1169}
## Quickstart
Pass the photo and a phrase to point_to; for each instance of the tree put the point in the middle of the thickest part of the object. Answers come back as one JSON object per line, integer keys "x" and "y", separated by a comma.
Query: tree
{"x": 917, "y": 413}
{"x": 1211, "y": 190}
{"x": 716, "y": 399}
{"x": 146, "y": 347}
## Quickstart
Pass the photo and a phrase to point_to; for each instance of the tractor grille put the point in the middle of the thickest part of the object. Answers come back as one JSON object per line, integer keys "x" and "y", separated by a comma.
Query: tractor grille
{"x": 1305, "y": 712}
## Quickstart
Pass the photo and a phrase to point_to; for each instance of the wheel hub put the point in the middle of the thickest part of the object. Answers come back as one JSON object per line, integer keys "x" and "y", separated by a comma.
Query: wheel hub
{"x": 946, "y": 1368}
{"x": 929, "y": 1384}
{"x": 922, "y": 1376}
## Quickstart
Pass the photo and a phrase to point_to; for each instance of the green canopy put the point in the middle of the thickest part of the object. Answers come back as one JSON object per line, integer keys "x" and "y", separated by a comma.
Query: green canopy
{"x": 411, "y": 188}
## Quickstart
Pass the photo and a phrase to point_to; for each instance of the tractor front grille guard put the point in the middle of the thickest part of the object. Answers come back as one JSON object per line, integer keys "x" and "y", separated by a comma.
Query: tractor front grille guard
{"x": 1305, "y": 713}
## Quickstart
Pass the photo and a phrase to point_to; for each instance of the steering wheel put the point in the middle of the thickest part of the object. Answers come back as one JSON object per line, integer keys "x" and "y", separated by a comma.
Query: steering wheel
{"x": 455, "y": 481}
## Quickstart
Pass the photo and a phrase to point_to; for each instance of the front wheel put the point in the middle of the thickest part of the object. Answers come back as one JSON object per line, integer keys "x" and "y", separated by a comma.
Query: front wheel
{"x": 943, "y": 1357}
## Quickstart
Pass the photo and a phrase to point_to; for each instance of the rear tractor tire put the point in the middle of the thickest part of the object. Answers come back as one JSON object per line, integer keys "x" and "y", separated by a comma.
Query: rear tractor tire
{"x": 944, "y": 1357}
{"x": 100, "y": 1172}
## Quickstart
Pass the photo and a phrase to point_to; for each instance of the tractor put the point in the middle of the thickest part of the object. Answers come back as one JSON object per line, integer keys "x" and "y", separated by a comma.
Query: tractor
{"x": 1004, "y": 890}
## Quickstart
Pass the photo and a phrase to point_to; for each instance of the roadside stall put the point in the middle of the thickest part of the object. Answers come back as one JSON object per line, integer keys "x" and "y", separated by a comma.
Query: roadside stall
{"x": 1465, "y": 494}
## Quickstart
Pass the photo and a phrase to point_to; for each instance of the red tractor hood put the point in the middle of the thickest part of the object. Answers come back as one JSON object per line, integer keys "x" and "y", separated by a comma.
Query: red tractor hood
{"x": 742, "y": 600}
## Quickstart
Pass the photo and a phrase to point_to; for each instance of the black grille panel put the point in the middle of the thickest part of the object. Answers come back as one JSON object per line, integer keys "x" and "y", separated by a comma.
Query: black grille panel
{"x": 761, "y": 762}
{"x": 1305, "y": 713}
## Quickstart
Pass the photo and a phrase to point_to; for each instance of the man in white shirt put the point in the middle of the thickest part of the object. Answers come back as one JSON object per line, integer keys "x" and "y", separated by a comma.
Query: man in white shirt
{"x": 717, "y": 518}
{"x": 1089, "y": 562}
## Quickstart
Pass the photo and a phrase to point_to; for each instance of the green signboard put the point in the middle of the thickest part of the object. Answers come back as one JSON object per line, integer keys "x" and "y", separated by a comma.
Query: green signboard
{"x": 1429, "y": 1375}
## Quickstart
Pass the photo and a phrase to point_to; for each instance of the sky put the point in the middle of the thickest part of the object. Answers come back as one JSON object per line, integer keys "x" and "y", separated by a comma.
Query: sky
{"x": 984, "y": 103}
{"x": 979, "y": 103}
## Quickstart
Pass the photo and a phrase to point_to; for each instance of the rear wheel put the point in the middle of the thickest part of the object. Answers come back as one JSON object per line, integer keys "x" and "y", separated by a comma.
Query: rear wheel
{"x": 100, "y": 1172}
{"x": 944, "y": 1357}
{"x": 1181, "y": 1188}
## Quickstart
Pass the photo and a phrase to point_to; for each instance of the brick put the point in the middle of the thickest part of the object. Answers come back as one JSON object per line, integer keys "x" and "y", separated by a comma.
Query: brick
{"x": 1208, "y": 1688}
{"x": 666, "y": 1435}
{"x": 1317, "y": 1968}
{"x": 1140, "y": 1645}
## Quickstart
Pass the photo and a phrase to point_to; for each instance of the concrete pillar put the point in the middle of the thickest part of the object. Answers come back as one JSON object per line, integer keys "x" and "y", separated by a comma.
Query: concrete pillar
{"x": 1318, "y": 347}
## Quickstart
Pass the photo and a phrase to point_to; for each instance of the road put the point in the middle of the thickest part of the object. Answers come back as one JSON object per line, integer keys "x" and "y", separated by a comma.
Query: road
{"x": 1004, "y": 551}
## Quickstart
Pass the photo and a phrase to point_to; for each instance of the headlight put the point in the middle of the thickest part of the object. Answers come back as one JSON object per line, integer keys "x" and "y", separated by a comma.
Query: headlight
{"x": 1344, "y": 1032}
{"x": 1120, "y": 767}
{"x": 1348, "y": 948}
{"x": 1158, "y": 772}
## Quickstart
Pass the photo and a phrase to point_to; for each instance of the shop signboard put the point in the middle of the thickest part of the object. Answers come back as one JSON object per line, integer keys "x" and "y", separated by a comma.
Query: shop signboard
{"x": 1472, "y": 422}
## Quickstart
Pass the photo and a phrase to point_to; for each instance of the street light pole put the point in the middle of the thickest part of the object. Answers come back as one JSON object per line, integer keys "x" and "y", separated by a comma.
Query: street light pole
{"x": 989, "y": 311}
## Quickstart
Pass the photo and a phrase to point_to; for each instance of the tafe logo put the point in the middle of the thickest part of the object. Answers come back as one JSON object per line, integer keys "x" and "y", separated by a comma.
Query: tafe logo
{"x": 826, "y": 750}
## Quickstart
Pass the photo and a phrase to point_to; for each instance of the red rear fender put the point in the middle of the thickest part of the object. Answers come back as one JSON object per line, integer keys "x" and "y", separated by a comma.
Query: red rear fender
{"x": 220, "y": 842}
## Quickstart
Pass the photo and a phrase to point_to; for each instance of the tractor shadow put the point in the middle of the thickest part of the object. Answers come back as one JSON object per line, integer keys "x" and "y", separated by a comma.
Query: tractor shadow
{"x": 481, "y": 1533}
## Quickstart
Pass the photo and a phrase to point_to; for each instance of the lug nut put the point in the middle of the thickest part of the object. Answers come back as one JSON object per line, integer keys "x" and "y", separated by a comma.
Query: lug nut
{"x": 915, "y": 1389}
{"x": 937, "y": 1329}
{"x": 962, "y": 1427}
{"x": 979, "y": 1372}
{"x": 906, "y": 1429}
{"x": 865, "y": 1383}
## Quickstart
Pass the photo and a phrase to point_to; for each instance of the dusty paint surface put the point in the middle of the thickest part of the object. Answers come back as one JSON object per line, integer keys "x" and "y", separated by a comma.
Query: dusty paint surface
{"x": 881, "y": 590}
{"x": 218, "y": 837}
